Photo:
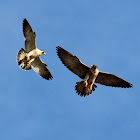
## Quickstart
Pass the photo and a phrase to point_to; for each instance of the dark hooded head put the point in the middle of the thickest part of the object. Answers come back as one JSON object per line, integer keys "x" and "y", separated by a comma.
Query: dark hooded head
{"x": 94, "y": 67}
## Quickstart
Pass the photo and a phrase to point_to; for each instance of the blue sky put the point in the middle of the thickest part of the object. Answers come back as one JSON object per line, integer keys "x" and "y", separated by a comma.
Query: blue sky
{"x": 105, "y": 33}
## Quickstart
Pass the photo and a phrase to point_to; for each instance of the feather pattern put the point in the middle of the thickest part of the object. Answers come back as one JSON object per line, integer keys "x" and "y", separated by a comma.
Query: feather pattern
{"x": 72, "y": 62}
{"x": 30, "y": 36}
{"x": 109, "y": 79}
{"x": 41, "y": 68}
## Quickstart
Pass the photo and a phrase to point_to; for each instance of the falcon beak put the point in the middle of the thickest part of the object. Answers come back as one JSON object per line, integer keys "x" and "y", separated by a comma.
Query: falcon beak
{"x": 44, "y": 53}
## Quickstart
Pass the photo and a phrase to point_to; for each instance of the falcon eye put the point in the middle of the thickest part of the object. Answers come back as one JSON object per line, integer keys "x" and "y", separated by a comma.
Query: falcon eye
{"x": 43, "y": 53}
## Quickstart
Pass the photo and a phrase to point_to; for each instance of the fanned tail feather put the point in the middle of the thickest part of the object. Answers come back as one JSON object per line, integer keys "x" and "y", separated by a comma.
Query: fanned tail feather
{"x": 83, "y": 89}
{"x": 22, "y": 60}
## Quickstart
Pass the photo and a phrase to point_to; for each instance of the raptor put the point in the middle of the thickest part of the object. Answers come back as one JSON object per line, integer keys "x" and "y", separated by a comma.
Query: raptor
{"x": 90, "y": 75}
{"x": 29, "y": 58}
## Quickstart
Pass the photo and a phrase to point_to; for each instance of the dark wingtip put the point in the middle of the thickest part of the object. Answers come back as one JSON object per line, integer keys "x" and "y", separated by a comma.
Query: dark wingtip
{"x": 48, "y": 77}
{"x": 127, "y": 85}
{"x": 130, "y": 85}
{"x": 24, "y": 20}
{"x": 59, "y": 51}
{"x": 25, "y": 24}
{"x": 58, "y": 48}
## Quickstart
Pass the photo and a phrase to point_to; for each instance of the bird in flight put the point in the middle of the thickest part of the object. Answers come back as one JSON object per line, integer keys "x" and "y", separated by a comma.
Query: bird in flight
{"x": 29, "y": 58}
{"x": 90, "y": 75}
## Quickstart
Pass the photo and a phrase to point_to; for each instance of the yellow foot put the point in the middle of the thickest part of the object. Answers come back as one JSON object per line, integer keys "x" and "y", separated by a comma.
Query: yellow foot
{"x": 85, "y": 82}
{"x": 28, "y": 58}
{"x": 28, "y": 63}
{"x": 91, "y": 87}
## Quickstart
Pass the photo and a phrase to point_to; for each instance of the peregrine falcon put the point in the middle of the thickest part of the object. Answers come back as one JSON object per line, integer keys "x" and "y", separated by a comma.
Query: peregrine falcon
{"x": 30, "y": 57}
{"x": 89, "y": 75}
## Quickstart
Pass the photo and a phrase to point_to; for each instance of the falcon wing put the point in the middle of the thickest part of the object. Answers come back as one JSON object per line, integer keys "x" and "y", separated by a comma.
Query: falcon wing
{"x": 72, "y": 62}
{"x": 41, "y": 68}
{"x": 30, "y": 36}
{"x": 108, "y": 79}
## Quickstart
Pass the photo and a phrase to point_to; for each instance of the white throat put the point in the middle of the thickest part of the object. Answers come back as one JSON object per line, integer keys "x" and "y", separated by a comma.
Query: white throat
{"x": 35, "y": 53}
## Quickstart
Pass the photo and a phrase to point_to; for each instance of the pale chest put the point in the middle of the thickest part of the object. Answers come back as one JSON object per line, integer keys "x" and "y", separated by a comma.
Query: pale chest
{"x": 33, "y": 53}
{"x": 92, "y": 75}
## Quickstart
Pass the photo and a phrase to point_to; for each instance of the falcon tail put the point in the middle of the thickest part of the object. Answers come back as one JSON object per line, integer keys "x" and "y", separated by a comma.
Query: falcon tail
{"x": 83, "y": 89}
{"x": 22, "y": 60}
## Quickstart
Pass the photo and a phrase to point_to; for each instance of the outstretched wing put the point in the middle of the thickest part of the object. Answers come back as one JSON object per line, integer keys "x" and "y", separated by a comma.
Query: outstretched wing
{"x": 108, "y": 79}
{"x": 72, "y": 62}
{"x": 30, "y": 36}
{"x": 41, "y": 68}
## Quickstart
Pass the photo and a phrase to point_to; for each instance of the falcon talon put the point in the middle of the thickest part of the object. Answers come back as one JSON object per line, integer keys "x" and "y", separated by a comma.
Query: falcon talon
{"x": 91, "y": 87}
{"x": 28, "y": 63}
{"x": 28, "y": 58}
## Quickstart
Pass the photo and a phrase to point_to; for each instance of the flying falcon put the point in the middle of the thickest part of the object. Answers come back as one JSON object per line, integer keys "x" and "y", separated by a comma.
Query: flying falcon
{"x": 30, "y": 57}
{"x": 89, "y": 75}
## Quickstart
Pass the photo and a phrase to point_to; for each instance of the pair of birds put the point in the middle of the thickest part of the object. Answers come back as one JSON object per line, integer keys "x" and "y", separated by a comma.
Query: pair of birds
{"x": 30, "y": 59}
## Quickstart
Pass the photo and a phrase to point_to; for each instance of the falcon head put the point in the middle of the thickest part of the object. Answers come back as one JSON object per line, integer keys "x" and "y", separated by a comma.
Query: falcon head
{"x": 94, "y": 67}
{"x": 42, "y": 52}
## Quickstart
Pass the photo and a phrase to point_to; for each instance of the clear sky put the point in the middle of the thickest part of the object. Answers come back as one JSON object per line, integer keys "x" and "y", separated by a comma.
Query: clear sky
{"x": 101, "y": 32}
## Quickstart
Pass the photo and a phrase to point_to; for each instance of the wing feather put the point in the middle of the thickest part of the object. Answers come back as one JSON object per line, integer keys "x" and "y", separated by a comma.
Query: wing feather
{"x": 109, "y": 79}
{"x": 72, "y": 62}
{"x": 30, "y": 37}
{"x": 41, "y": 68}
